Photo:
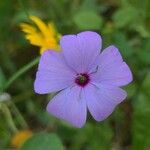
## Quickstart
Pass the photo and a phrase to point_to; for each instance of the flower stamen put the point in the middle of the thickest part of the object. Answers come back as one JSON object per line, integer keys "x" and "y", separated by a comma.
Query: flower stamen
{"x": 82, "y": 79}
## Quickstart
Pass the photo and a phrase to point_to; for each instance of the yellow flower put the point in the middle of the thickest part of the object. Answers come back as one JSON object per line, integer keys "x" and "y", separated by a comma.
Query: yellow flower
{"x": 44, "y": 35}
{"x": 20, "y": 137}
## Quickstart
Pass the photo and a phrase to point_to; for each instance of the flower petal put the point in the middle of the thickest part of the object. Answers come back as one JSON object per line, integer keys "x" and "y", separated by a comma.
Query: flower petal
{"x": 112, "y": 70}
{"x": 110, "y": 55}
{"x": 53, "y": 74}
{"x": 69, "y": 106}
{"x": 80, "y": 50}
{"x": 41, "y": 25}
{"x": 101, "y": 100}
{"x": 32, "y": 35}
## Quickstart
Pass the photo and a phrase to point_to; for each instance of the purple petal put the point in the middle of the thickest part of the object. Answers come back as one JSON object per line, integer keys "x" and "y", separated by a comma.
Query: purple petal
{"x": 110, "y": 55}
{"x": 69, "y": 106}
{"x": 53, "y": 74}
{"x": 112, "y": 70}
{"x": 102, "y": 100}
{"x": 80, "y": 50}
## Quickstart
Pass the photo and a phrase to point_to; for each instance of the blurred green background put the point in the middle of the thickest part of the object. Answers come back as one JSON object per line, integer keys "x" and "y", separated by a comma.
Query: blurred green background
{"x": 124, "y": 23}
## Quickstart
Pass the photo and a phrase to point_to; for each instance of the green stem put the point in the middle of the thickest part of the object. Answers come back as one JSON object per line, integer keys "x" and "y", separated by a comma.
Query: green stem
{"x": 9, "y": 118}
{"x": 19, "y": 116}
{"x": 20, "y": 72}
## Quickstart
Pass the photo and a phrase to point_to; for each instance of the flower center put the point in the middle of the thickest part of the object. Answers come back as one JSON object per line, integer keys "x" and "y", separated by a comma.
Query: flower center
{"x": 82, "y": 79}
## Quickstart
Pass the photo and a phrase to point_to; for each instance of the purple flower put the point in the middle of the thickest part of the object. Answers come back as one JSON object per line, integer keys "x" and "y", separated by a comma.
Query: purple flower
{"x": 86, "y": 78}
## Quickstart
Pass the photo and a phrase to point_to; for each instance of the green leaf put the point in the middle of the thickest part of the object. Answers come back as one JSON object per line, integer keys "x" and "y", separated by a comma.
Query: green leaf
{"x": 43, "y": 141}
{"x": 141, "y": 123}
{"x": 131, "y": 89}
{"x": 86, "y": 20}
{"x": 146, "y": 44}
{"x": 143, "y": 31}
{"x": 141, "y": 5}
{"x": 100, "y": 140}
{"x": 144, "y": 52}
{"x": 45, "y": 118}
{"x": 146, "y": 83}
{"x": 121, "y": 42}
{"x": 124, "y": 16}
{"x": 89, "y": 5}
{"x": 144, "y": 57}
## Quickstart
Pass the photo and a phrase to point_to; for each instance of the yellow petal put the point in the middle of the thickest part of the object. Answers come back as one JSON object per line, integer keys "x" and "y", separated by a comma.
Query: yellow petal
{"x": 35, "y": 39}
{"x": 41, "y": 25}
{"x": 32, "y": 35}
{"x": 27, "y": 28}
{"x": 51, "y": 28}
{"x": 46, "y": 37}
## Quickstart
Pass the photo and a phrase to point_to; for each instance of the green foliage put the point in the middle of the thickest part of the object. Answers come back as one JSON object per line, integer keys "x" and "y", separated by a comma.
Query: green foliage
{"x": 121, "y": 42}
{"x": 146, "y": 83}
{"x": 89, "y": 5}
{"x": 123, "y": 23}
{"x": 4, "y": 134}
{"x": 88, "y": 20}
{"x": 93, "y": 137}
{"x": 141, "y": 123}
{"x": 133, "y": 16}
{"x": 131, "y": 89}
{"x": 144, "y": 53}
{"x": 43, "y": 141}
{"x": 125, "y": 16}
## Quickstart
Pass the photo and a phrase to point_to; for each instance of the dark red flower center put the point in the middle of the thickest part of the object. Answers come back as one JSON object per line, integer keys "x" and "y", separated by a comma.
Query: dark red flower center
{"x": 82, "y": 79}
